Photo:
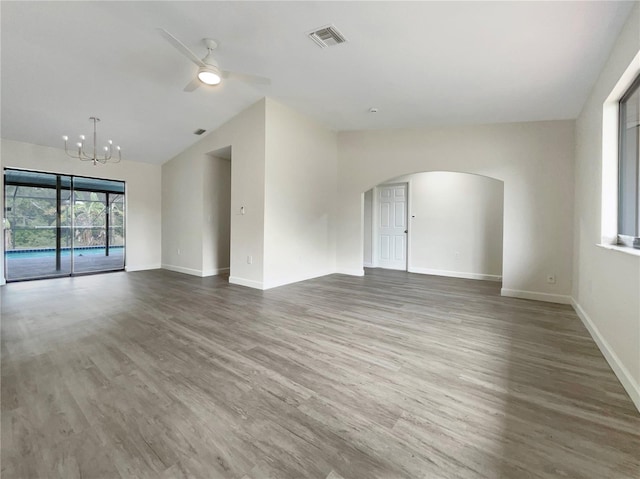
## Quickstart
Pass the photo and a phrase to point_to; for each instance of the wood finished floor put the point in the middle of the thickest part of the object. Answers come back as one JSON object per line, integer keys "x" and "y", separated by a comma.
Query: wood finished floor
{"x": 162, "y": 375}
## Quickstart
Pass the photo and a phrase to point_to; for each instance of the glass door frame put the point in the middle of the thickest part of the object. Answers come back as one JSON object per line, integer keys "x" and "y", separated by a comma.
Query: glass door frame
{"x": 72, "y": 188}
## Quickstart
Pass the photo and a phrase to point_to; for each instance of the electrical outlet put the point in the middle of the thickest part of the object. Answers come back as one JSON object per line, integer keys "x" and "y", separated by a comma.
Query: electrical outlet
{"x": 249, "y": 259}
{"x": 551, "y": 278}
{"x": 178, "y": 251}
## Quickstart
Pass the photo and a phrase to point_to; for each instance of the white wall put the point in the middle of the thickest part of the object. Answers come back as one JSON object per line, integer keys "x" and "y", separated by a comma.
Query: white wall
{"x": 455, "y": 224}
{"x": 535, "y": 162}
{"x": 283, "y": 172}
{"x": 216, "y": 216}
{"x": 185, "y": 179}
{"x": 143, "y": 232}
{"x": 300, "y": 194}
{"x": 182, "y": 212}
{"x": 606, "y": 285}
{"x": 367, "y": 228}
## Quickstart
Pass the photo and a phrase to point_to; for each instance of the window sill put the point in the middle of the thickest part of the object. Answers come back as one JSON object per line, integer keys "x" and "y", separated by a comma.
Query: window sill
{"x": 621, "y": 249}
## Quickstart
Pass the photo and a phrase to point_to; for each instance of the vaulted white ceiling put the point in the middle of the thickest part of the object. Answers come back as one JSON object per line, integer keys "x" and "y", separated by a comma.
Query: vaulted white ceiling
{"x": 419, "y": 63}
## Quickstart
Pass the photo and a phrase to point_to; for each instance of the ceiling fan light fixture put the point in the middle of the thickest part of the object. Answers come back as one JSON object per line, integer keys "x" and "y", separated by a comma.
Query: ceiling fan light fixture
{"x": 209, "y": 75}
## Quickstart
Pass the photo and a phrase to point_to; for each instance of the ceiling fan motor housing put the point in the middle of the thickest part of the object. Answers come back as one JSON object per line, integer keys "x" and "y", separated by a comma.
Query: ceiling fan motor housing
{"x": 209, "y": 73}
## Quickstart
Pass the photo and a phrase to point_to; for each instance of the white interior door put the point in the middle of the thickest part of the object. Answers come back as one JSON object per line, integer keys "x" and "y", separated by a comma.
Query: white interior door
{"x": 392, "y": 226}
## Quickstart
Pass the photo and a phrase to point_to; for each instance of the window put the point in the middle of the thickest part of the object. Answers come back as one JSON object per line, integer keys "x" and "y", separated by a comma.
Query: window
{"x": 629, "y": 167}
{"x": 60, "y": 225}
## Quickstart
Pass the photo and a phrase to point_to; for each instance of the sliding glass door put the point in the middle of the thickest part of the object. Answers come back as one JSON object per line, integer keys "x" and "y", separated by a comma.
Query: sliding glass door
{"x": 59, "y": 225}
{"x": 98, "y": 211}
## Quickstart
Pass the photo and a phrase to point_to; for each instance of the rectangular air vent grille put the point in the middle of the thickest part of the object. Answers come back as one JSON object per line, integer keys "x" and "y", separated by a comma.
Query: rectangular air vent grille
{"x": 327, "y": 36}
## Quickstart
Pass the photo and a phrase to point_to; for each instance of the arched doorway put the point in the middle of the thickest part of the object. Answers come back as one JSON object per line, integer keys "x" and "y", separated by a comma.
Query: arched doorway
{"x": 452, "y": 225}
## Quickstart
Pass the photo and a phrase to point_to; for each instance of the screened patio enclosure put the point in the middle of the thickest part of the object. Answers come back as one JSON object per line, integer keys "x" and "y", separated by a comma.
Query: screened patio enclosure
{"x": 61, "y": 225}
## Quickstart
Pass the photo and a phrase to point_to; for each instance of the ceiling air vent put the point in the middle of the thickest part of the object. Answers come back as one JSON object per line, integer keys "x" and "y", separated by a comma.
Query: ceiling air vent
{"x": 327, "y": 36}
{"x": 199, "y": 131}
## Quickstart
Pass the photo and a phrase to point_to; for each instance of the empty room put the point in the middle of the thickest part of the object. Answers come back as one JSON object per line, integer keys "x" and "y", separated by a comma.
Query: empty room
{"x": 332, "y": 240}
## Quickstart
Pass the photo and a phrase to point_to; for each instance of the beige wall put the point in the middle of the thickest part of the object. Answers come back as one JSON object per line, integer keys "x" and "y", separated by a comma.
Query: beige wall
{"x": 455, "y": 224}
{"x": 606, "y": 286}
{"x": 188, "y": 181}
{"x": 300, "y": 194}
{"x": 142, "y": 194}
{"x": 535, "y": 162}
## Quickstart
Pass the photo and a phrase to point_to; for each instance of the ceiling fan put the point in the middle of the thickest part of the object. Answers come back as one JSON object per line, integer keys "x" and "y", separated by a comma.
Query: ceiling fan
{"x": 209, "y": 73}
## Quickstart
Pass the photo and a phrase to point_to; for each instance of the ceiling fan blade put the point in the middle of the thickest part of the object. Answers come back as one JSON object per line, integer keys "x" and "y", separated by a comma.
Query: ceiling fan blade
{"x": 192, "y": 85}
{"x": 181, "y": 47}
{"x": 247, "y": 78}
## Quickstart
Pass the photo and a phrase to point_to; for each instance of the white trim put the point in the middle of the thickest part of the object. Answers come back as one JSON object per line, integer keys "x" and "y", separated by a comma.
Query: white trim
{"x": 181, "y": 269}
{"x": 351, "y": 272}
{"x": 374, "y": 228}
{"x": 249, "y": 283}
{"x": 142, "y": 267}
{"x": 215, "y": 271}
{"x": 408, "y": 222}
{"x": 456, "y": 274}
{"x": 192, "y": 271}
{"x": 623, "y": 374}
{"x": 282, "y": 282}
{"x": 610, "y": 128}
{"x": 2, "y": 282}
{"x": 536, "y": 296}
{"x": 620, "y": 249}
{"x": 368, "y": 265}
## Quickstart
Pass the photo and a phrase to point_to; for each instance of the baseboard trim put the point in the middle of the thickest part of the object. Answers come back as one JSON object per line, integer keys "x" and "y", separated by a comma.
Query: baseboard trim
{"x": 181, "y": 269}
{"x": 623, "y": 374}
{"x": 368, "y": 265}
{"x": 214, "y": 272}
{"x": 249, "y": 283}
{"x": 351, "y": 272}
{"x": 143, "y": 267}
{"x": 549, "y": 298}
{"x": 455, "y": 274}
{"x": 283, "y": 282}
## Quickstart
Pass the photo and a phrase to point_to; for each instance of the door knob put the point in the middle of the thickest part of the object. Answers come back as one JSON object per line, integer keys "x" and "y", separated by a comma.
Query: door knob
{"x": 406, "y": 231}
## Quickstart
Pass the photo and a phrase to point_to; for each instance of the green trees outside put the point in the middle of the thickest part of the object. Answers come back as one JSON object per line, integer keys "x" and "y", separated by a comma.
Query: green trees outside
{"x": 31, "y": 218}
{"x": 30, "y": 212}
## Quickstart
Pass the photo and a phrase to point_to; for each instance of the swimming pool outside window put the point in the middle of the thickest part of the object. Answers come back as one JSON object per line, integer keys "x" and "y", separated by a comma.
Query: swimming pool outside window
{"x": 60, "y": 225}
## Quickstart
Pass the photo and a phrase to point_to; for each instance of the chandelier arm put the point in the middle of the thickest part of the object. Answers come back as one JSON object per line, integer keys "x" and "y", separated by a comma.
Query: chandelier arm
{"x": 84, "y": 153}
{"x": 74, "y": 155}
{"x": 66, "y": 150}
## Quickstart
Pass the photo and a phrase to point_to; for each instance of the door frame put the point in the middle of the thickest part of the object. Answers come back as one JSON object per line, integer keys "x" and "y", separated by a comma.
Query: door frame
{"x": 375, "y": 224}
{"x": 72, "y": 225}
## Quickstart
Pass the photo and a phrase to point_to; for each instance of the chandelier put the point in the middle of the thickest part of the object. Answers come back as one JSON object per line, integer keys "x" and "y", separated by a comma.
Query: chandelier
{"x": 82, "y": 155}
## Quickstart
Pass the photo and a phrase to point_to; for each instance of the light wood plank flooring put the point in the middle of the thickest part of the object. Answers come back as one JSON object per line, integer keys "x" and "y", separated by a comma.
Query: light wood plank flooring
{"x": 162, "y": 375}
